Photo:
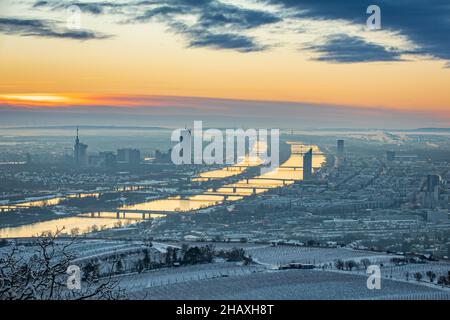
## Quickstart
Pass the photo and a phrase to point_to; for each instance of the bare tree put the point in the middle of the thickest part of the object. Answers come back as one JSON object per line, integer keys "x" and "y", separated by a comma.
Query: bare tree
{"x": 40, "y": 273}
{"x": 431, "y": 275}
{"x": 418, "y": 276}
{"x": 350, "y": 265}
{"x": 339, "y": 264}
{"x": 366, "y": 263}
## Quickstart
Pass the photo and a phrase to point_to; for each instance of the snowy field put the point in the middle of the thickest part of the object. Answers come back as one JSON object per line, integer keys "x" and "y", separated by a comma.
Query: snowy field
{"x": 83, "y": 248}
{"x": 86, "y": 249}
{"x": 168, "y": 276}
{"x": 231, "y": 280}
{"x": 289, "y": 285}
{"x": 399, "y": 272}
{"x": 285, "y": 254}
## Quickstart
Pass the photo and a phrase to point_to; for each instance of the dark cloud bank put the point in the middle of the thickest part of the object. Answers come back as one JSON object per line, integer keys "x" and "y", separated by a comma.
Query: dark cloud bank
{"x": 223, "y": 26}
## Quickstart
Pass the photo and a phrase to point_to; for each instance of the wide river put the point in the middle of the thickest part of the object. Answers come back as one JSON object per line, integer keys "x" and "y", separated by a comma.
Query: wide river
{"x": 286, "y": 174}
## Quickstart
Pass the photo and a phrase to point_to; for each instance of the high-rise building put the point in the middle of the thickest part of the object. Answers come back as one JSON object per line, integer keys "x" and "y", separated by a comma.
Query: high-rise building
{"x": 433, "y": 181}
{"x": 390, "y": 156}
{"x": 122, "y": 155}
{"x": 431, "y": 193}
{"x": 307, "y": 165}
{"x": 80, "y": 152}
{"x": 340, "y": 147}
{"x": 163, "y": 157}
{"x": 135, "y": 157}
{"x": 129, "y": 156}
{"x": 109, "y": 159}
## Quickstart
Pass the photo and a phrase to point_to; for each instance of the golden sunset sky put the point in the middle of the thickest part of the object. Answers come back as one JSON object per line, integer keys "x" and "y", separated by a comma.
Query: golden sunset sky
{"x": 55, "y": 68}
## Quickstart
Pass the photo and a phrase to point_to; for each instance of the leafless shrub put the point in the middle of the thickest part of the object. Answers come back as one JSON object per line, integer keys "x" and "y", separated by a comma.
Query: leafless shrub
{"x": 40, "y": 273}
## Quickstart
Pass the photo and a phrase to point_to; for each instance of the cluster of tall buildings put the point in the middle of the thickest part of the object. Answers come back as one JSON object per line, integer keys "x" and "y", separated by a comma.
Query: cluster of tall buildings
{"x": 106, "y": 159}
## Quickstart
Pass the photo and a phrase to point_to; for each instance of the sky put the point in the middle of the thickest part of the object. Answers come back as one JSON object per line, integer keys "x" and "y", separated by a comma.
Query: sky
{"x": 280, "y": 62}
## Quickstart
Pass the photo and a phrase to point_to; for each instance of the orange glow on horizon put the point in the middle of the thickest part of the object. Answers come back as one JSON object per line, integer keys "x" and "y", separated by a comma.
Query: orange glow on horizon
{"x": 69, "y": 100}
{"x": 146, "y": 66}
{"x": 38, "y": 100}
{"x": 65, "y": 100}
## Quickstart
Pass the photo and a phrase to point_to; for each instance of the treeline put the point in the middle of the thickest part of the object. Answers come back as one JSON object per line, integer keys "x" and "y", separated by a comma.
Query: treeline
{"x": 147, "y": 260}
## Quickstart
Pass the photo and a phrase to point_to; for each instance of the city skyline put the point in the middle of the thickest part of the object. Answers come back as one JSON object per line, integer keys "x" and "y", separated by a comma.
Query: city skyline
{"x": 244, "y": 151}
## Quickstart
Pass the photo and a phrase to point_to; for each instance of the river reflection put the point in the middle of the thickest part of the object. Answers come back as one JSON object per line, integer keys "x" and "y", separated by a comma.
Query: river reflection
{"x": 44, "y": 202}
{"x": 72, "y": 226}
{"x": 230, "y": 171}
{"x": 177, "y": 204}
{"x": 289, "y": 172}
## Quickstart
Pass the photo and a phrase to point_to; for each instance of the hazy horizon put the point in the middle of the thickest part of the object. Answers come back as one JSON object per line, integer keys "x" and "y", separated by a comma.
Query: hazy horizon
{"x": 276, "y": 63}
{"x": 180, "y": 111}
